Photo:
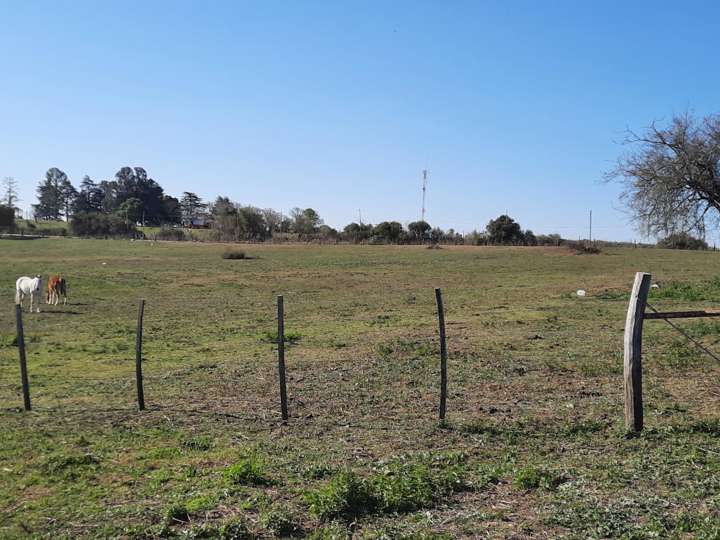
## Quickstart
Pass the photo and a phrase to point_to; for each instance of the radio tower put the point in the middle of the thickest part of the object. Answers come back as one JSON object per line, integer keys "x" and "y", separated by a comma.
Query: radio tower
{"x": 424, "y": 188}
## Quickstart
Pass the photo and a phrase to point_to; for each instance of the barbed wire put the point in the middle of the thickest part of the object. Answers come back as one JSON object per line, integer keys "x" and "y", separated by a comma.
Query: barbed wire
{"x": 688, "y": 336}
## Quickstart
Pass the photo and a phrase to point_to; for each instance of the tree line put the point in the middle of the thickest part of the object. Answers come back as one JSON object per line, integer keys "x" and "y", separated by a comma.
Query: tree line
{"x": 132, "y": 198}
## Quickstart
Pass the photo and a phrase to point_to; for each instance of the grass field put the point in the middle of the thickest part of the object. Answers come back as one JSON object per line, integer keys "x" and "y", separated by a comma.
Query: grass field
{"x": 534, "y": 446}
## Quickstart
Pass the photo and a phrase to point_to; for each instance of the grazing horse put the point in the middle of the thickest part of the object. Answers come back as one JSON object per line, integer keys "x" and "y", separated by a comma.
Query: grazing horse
{"x": 28, "y": 286}
{"x": 57, "y": 287}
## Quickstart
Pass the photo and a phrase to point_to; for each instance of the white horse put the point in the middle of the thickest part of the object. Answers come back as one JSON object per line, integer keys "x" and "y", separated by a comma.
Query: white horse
{"x": 29, "y": 286}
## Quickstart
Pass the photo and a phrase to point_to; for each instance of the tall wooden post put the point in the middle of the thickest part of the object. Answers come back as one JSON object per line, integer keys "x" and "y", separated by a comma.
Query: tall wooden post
{"x": 443, "y": 354}
{"x": 281, "y": 357}
{"x": 633, "y": 352}
{"x": 138, "y": 356}
{"x": 23, "y": 361}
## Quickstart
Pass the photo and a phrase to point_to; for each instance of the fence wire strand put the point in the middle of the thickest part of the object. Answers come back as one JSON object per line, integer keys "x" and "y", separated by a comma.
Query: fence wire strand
{"x": 688, "y": 336}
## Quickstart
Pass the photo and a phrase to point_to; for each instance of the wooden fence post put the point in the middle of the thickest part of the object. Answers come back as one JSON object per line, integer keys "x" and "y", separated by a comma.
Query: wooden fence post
{"x": 138, "y": 357}
{"x": 632, "y": 369}
{"x": 281, "y": 356}
{"x": 443, "y": 353}
{"x": 23, "y": 361}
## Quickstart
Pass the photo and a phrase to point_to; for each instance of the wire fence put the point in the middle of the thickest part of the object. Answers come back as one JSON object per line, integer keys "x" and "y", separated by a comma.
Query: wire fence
{"x": 216, "y": 390}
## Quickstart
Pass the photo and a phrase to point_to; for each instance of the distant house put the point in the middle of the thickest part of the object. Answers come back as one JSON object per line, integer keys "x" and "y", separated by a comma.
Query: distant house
{"x": 199, "y": 223}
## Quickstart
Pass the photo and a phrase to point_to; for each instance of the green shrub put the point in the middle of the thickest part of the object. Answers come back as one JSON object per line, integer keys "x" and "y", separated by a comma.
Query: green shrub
{"x": 404, "y": 485}
{"x": 346, "y": 496}
{"x": 584, "y": 247}
{"x": 419, "y": 482}
{"x": 96, "y": 224}
{"x": 248, "y": 471}
{"x": 7, "y": 218}
{"x": 234, "y": 254}
{"x": 682, "y": 240}
{"x": 171, "y": 233}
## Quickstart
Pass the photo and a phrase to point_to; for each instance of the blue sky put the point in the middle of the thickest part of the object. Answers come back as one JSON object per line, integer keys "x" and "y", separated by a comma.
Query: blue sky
{"x": 512, "y": 106}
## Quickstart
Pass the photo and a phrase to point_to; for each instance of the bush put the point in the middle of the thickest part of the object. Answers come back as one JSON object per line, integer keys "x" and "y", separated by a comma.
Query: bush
{"x": 584, "y": 248}
{"x": 94, "y": 224}
{"x": 233, "y": 254}
{"x": 682, "y": 241}
{"x": 169, "y": 233}
{"x": 7, "y": 218}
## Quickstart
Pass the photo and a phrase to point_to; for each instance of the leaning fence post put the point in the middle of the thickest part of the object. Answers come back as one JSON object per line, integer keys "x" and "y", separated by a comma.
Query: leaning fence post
{"x": 443, "y": 353}
{"x": 138, "y": 356}
{"x": 632, "y": 369}
{"x": 23, "y": 361}
{"x": 281, "y": 356}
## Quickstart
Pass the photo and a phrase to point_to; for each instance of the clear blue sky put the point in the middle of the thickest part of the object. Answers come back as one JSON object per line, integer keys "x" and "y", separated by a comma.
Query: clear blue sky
{"x": 512, "y": 106}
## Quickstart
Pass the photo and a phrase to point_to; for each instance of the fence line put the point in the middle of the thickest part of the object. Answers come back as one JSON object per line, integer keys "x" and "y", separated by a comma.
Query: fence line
{"x": 632, "y": 358}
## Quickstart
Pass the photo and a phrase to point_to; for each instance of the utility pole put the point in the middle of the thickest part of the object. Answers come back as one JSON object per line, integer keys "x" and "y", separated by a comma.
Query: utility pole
{"x": 591, "y": 225}
{"x": 424, "y": 189}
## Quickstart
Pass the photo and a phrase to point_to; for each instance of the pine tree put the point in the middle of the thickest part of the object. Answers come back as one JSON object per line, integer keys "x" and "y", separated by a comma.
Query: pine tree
{"x": 51, "y": 195}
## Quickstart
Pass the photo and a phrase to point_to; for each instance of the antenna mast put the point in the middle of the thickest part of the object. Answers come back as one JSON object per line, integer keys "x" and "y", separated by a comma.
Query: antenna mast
{"x": 424, "y": 188}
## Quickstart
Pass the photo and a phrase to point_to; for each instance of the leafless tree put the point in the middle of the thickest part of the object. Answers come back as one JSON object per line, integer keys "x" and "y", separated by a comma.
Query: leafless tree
{"x": 10, "y": 192}
{"x": 672, "y": 177}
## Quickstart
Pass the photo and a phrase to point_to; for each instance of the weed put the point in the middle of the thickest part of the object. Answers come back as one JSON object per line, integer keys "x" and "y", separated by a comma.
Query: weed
{"x": 530, "y": 477}
{"x": 201, "y": 503}
{"x": 272, "y": 337}
{"x": 487, "y": 475}
{"x": 346, "y": 496}
{"x": 69, "y": 467}
{"x": 235, "y": 529}
{"x": 680, "y": 355}
{"x": 401, "y": 486}
{"x": 201, "y": 443}
{"x": 247, "y": 471}
{"x": 8, "y": 341}
{"x": 331, "y": 531}
{"x": 279, "y": 521}
{"x": 177, "y": 513}
{"x": 316, "y": 471}
{"x": 405, "y": 486}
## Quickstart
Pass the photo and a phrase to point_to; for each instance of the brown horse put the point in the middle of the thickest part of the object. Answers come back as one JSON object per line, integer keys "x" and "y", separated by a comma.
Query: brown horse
{"x": 57, "y": 287}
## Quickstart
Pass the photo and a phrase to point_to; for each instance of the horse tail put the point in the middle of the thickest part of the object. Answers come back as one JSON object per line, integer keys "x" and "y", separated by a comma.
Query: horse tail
{"x": 17, "y": 296}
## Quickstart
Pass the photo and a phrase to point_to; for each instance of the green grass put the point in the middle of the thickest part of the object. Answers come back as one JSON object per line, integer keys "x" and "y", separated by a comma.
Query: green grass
{"x": 534, "y": 444}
